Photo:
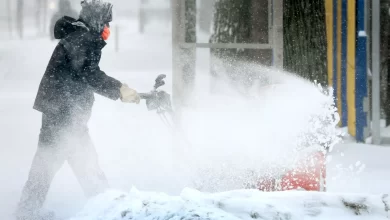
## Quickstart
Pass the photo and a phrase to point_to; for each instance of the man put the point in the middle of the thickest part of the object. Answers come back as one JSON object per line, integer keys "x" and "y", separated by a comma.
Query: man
{"x": 65, "y": 98}
{"x": 64, "y": 9}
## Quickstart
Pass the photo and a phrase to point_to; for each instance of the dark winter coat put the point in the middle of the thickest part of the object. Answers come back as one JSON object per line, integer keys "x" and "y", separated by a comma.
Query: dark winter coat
{"x": 73, "y": 74}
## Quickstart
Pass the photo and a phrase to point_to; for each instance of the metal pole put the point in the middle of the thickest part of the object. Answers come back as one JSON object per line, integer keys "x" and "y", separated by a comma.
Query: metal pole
{"x": 277, "y": 35}
{"x": 376, "y": 136}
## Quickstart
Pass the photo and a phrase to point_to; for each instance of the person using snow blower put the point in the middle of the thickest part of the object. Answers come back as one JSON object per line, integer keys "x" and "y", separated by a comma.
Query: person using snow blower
{"x": 65, "y": 98}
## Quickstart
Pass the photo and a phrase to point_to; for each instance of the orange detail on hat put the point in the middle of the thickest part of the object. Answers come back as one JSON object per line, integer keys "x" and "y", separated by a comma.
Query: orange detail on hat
{"x": 106, "y": 33}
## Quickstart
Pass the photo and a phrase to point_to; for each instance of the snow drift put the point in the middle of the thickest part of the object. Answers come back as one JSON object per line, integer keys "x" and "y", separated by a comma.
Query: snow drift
{"x": 232, "y": 205}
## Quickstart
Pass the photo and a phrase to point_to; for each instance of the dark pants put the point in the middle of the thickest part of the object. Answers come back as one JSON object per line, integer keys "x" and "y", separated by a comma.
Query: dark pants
{"x": 62, "y": 138}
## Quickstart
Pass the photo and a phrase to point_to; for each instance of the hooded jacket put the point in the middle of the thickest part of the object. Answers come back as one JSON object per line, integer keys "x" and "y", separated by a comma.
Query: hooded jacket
{"x": 73, "y": 74}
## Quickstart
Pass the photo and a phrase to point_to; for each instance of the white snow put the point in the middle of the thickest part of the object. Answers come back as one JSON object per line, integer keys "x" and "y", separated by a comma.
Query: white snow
{"x": 228, "y": 136}
{"x": 235, "y": 205}
{"x": 362, "y": 34}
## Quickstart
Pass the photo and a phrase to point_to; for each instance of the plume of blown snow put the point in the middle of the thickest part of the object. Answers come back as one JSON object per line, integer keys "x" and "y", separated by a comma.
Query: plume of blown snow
{"x": 237, "y": 134}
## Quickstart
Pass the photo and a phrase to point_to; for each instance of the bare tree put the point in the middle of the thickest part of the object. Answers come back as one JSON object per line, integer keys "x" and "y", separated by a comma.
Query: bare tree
{"x": 37, "y": 14}
{"x": 41, "y": 7}
{"x": 44, "y": 14}
{"x": 20, "y": 17}
{"x": 9, "y": 8}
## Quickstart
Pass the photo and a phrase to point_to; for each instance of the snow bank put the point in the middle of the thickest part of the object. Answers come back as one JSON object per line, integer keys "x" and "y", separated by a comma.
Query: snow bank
{"x": 240, "y": 204}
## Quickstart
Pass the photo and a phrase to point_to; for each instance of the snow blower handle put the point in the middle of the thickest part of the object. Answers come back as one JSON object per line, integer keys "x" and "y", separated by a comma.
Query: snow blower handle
{"x": 153, "y": 94}
{"x": 160, "y": 101}
{"x": 157, "y": 100}
{"x": 146, "y": 95}
{"x": 159, "y": 81}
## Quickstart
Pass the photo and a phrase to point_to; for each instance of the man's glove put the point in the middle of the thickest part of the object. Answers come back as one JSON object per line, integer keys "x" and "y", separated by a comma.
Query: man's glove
{"x": 129, "y": 95}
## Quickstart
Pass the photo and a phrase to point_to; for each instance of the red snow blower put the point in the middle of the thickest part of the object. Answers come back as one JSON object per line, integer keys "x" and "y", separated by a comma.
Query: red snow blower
{"x": 308, "y": 174}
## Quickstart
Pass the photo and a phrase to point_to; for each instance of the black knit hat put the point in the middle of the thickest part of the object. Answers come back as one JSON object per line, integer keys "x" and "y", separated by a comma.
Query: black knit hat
{"x": 96, "y": 14}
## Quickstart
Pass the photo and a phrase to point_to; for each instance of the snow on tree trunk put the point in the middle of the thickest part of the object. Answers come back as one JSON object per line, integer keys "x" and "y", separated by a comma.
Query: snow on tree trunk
{"x": 305, "y": 39}
{"x": 385, "y": 68}
{"x": 190, "y": 37}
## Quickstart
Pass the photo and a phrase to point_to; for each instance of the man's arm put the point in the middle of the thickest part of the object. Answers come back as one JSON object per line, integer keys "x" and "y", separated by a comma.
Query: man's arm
{"x": 84, "y": 62}
{"x": 101, "y": 83}
{"x": 85, "y": 66}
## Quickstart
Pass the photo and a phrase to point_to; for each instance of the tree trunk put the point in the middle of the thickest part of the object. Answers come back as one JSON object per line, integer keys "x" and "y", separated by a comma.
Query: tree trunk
{"x": 44, "y": 28}
{"x": 9, "y": 9}
{"x": 246, "y": 21}
{"x": 38, "y": 6}
{"x": 41, "y": 16}
{"x": 190, "y": 37}
{"x": 385, "y": 68}
{"x": 305, "y": 39}
{"x": 20, "y": 17}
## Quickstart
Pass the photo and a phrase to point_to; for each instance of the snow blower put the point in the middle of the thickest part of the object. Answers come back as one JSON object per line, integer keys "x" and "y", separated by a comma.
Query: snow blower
{"x": 160, "y": 101}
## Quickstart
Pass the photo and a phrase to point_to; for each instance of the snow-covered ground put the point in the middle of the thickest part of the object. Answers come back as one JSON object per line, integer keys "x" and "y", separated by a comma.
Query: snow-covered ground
{"x": 136, "y": 150}
{"x": 235, "y": 205}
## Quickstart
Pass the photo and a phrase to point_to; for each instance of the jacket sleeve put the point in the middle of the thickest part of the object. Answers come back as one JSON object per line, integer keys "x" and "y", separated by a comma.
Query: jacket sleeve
{"x": 100, "y": 82}
{"x": 85, "y": 64}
